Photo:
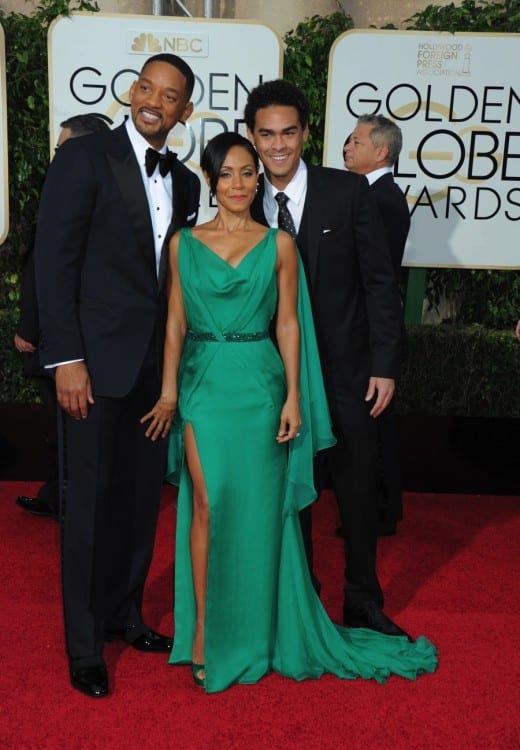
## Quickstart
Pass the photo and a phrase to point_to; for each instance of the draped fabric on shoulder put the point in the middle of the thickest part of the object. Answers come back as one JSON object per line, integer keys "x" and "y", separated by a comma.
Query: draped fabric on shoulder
{"x": 315, "y": 432}
{"x": 261, "y": 610}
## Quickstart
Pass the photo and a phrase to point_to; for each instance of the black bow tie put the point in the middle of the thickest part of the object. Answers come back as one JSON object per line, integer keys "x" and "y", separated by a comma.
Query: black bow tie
{"x": 154, "y": 158}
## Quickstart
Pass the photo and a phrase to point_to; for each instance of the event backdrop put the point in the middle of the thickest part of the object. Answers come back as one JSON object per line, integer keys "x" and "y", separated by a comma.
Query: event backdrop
{"x": 4, "y": 181}
{"x": 457, "y": 101}
{"x": 94, "y": 58}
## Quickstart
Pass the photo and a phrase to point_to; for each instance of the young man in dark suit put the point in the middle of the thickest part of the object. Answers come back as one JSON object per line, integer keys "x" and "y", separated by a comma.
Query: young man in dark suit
{"x": 356, "y": 313}
{"x": 372, "y": 150}
{"x": 26, "y": 341}
{"x": 109, "y": 204}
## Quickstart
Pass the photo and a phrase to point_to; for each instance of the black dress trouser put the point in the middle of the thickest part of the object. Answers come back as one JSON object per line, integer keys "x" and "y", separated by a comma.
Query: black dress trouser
{"x": 111, "y": 477}
{"x": 352, "y": 467}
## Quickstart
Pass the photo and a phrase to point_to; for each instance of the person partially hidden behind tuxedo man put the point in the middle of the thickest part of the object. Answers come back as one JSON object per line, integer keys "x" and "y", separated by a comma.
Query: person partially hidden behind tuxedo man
{"x": 26, "y": 339}
{"x": 109, "y": 206}
{"x": 372, "y": 150}
{"x": 357, "y": 314}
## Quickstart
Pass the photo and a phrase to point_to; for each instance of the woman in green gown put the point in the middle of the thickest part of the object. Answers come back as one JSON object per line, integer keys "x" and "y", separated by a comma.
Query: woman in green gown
{"x": 248, "y": 417}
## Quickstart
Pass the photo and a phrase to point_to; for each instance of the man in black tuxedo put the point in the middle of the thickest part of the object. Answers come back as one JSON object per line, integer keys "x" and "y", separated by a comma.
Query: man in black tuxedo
{"x": 372, "y": 150}
{"x": 26, "y": 341}
{"x": 356, "y": 313}
{"x": 109, "y": 205}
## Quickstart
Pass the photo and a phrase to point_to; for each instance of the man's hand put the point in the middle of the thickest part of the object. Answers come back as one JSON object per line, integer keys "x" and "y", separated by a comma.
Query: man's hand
{"x": 385, "y": 388}
{"x": 22, "y": 345}
{"x": 73, "y": 389}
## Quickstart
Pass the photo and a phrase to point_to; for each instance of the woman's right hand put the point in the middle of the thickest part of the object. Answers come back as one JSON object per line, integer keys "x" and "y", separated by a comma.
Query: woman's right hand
{"x": 160, "y": 418}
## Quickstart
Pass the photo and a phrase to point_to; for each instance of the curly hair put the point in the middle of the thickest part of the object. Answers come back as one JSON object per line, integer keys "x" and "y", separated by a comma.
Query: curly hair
{"x": 281, "y": 93}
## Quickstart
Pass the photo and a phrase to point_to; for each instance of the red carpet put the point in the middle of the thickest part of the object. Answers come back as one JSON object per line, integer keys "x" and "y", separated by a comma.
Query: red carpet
{"x": 450, "y": 573}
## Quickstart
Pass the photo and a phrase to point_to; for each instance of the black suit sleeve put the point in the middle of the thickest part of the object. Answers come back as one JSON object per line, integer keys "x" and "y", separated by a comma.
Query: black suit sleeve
{"x": 66, "y": 205}
{"x": 381, "y": 291}
{"x": 396, "y": 220}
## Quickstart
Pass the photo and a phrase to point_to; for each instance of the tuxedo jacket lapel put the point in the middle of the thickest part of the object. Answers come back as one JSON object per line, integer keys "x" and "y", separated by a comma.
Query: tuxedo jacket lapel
{"x": 309, "y": 234}
{"x": 180, "y": 211}
{"x": 257, "y": 207}
{"x": 127, "y": 174}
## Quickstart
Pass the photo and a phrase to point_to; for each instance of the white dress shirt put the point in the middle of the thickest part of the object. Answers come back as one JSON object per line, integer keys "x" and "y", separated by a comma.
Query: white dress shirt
{"x": 158, "y": 190}
{"x": 296, "y": 191}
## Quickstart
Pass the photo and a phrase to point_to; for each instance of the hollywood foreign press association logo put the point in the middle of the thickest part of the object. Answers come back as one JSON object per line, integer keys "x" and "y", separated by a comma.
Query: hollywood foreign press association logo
{"x": 446, "y": 59}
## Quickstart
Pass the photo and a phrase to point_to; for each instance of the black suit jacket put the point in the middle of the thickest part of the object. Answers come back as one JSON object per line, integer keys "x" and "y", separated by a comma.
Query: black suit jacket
{"x": 353, "y": 292}
{"x": 28, "y": 326}
{"x": 99, "y": 296}
{"x": 392, "y": 206}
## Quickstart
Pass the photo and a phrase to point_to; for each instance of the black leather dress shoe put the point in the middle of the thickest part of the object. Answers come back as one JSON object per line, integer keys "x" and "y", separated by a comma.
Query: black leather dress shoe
{"x": 92, "y": 681}
{"x": 148, "y": 641}
{"x": 37, "y": 507}
{"x": 370, "y": 615}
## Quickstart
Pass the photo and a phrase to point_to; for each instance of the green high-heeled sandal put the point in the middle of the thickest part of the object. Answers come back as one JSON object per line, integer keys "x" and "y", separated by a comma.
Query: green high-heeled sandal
{"x": 196, "y": 669}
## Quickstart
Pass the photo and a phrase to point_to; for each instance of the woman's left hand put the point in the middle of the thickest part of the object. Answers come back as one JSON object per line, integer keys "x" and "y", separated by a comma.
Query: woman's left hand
{"x": 160, "y": 417}
{"x": 290, "y": 421}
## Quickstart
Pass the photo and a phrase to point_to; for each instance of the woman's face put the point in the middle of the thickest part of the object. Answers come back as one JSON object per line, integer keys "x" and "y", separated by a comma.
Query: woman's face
{"x": 237, "y": 180}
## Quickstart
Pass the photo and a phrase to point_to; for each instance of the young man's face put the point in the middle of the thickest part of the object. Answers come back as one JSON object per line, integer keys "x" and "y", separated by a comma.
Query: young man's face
{"x": 279, "y": 137}
{"x": 158, "y": 100}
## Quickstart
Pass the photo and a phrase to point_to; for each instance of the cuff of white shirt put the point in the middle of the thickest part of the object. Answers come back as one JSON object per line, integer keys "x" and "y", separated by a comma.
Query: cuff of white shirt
{"x": 58, "y": 364}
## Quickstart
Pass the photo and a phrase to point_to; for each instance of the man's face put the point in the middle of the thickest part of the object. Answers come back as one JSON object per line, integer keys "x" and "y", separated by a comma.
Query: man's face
{"x": 361, "y": 156}
{"x": 158, "y": 100}
{"x": 279, "y": 137}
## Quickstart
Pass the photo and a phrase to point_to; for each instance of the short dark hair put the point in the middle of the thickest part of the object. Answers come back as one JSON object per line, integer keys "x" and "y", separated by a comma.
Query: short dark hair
{"x": 86, "y": 124}
{"x": 281, "y": 93}
{"x": 384, "y": 133}
{"x": 217, "y": 150}
{"x": 178, "y": 63}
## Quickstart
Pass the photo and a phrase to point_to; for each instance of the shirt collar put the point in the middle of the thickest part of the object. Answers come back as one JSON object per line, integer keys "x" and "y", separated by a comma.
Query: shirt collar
{"x": 377, "y": 173}
{"x": 295, "y": 190}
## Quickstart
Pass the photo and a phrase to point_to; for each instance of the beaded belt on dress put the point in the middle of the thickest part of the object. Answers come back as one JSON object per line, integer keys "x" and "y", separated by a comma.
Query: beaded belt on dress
{"x": 228, "y": 337}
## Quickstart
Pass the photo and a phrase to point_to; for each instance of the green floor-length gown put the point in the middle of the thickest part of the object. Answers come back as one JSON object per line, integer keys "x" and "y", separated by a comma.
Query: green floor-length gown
{"x": 262, "y": 613}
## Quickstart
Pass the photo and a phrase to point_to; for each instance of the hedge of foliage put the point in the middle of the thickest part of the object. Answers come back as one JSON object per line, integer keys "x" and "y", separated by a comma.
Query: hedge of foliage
{"x": 455, "y": 370}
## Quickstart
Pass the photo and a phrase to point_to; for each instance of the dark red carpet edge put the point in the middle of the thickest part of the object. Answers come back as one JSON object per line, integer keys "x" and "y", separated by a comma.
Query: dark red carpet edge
{"x": 450, "y": 573}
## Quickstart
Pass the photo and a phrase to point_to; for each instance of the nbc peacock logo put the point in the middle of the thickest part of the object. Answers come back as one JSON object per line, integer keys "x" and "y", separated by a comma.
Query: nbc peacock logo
{"x": 146, "y": 43}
